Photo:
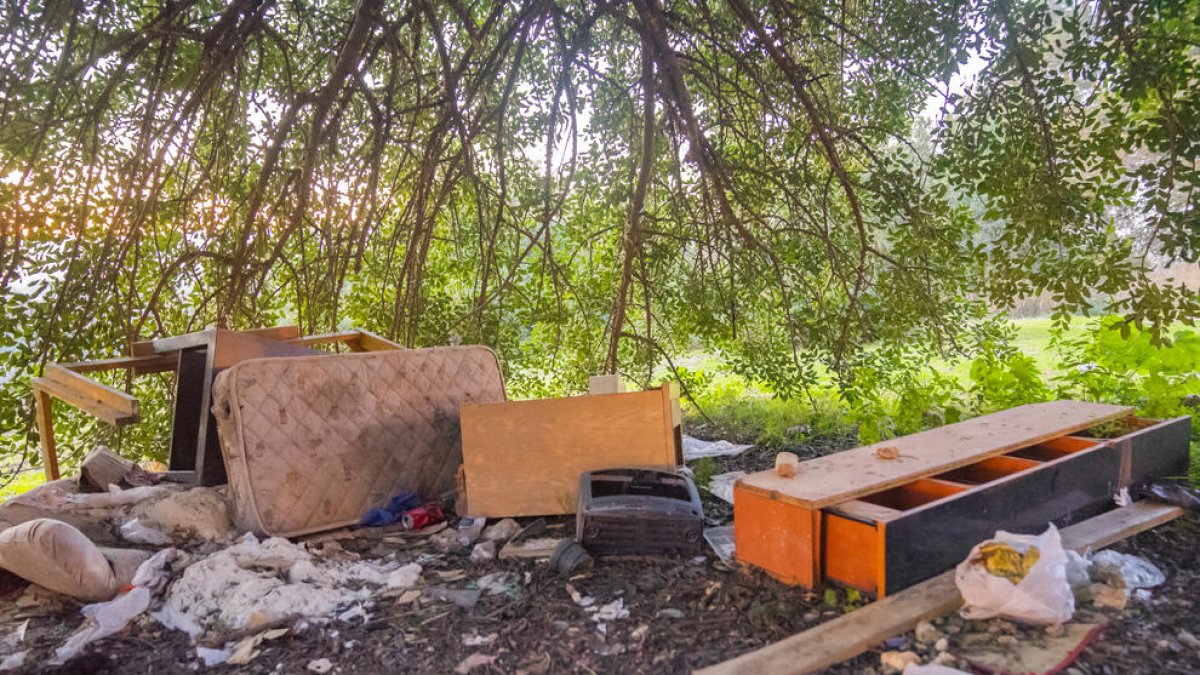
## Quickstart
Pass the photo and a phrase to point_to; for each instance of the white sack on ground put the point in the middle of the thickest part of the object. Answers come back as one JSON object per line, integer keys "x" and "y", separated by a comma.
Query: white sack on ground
{"x": 57, "y": 556}
{"x": 1043, "y": 596}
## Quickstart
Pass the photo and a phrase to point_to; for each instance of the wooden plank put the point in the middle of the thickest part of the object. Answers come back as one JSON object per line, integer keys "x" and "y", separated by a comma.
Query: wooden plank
{"x": 865, "y": 511}
{"x": 87, "y": 399}
{"x": 853, "y": 633}
{"x": 230, "y": 347}
{"x": 206, "y": 336}
{"x": 163, "y": 362}
{"x": 348, "y": 336}
{"x": 109, "y": 396}
{"x": 854, "y": 473}
{"x": 370, "y": 342}
{"x": 524, "y": 458}
{"x": 44, "y": 409}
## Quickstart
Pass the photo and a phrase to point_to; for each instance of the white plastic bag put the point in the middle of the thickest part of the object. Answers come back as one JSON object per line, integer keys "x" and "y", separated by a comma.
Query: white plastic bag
{"x": 1042, "y": 597}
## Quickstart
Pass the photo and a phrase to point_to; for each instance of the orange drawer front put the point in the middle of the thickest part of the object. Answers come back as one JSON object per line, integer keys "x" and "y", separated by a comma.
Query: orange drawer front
{"x": 781, "y": 538}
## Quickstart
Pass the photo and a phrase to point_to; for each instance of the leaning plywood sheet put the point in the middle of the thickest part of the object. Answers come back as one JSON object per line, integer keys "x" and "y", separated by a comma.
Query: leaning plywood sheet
{"x": 853, "y": 473}
{"x": 311, "y": 443}
{"x": 524, "y": 458}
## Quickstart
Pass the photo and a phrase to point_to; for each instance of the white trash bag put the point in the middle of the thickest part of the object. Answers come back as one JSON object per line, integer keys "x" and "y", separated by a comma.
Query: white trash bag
{"x": 1042, "y": 595}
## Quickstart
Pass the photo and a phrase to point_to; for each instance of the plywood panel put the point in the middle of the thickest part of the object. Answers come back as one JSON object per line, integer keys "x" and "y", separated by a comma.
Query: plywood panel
{"x": 523, "y": 458}
{"x": 853, "y": 473}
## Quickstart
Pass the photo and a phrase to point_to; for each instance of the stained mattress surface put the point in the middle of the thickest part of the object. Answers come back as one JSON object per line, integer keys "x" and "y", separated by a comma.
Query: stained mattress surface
{"x": 311, "y": 443}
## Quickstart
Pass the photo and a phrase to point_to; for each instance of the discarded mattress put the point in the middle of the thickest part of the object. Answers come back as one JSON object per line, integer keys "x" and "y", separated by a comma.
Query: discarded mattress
{"x": 312, "y": 442}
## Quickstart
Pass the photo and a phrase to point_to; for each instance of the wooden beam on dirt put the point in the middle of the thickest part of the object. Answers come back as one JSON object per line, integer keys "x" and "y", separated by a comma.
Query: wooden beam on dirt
{"x": 854, "y": 632}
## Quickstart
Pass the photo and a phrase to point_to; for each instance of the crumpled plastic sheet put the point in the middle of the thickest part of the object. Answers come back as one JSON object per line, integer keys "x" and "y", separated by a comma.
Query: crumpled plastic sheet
{"x": 721, "y": 485}
{"x": 694, "y": 448}
{"x": 103, "y": 619}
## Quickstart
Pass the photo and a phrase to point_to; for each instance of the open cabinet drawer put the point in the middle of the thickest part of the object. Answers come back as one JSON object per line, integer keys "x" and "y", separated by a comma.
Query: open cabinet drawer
{"x": 892, "y": 538}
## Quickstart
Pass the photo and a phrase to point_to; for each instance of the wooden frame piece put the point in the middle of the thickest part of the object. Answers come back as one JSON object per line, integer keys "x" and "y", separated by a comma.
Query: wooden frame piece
{"x": 853, "y": 633}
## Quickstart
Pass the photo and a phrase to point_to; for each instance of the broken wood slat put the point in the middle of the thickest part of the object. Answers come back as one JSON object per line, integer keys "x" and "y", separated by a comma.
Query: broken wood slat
{"x": 103, "y": 467}
{"x": 853, "y": 633}
{"x": 44, "y": 407}
{"x": 854, "y": 473}
{"x": 200, "y": 338}
{"x": 109, "y": 396}
{"x": 101, "y": 401}
{"x": 348, "y": 337}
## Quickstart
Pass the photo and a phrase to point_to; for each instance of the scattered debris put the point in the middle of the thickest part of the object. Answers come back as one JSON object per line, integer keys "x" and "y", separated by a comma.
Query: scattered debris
{"x": 101, "y": 468}
{"x": 474, "y": 661}
{"x": 786, "y": 464}
{"x": 498, "y": 583}
{"x": 477, "y": 640}
{"x": 722, "y": 542}
{"x": 887, "y": 452}
{"x": 13, "y": 661}
{"x": 502, "y": 531}
{"x": 253, "y": 584}
{"x": 1103, "y": 595}
{"x": 320, "y": 665}
{"x": 137, "y": 532}
{"x": 404, "y": 577}
{"x": 926, "y": 633}
{"x": 721, "y": 485}
{"x": 694, "y": 448}
{"x": 569, "y": 556}
{"x": 465, "y": 598}
{"x": 1124, "y": 571}
{"x": 1049, "y": 654}
{"x": 246, "y": 650}
{"x": 396, "y": 507}
{"x": 542, "y": 547}
{"x": 483, "y": 551}
{"x": 106, "y": 618}
{"x": 898, "y": 661}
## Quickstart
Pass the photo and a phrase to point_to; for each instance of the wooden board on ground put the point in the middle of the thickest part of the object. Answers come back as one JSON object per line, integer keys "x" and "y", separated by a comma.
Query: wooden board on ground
{"x": 523, "y": 458}
{"x": 853, "y": 473}
{"x": 853, "y": 633}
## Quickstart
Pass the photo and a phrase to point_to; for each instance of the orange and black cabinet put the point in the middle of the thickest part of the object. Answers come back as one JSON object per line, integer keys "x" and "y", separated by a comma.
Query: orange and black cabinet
{"x": 885, "y": 541}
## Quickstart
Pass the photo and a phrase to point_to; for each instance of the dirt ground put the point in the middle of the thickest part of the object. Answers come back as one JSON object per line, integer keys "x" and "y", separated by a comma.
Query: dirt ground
{"x": 682, "y": 614}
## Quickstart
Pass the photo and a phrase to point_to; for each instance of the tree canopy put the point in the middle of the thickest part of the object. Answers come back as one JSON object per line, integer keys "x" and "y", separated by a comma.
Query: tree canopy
{"x": 591, "y": 186}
